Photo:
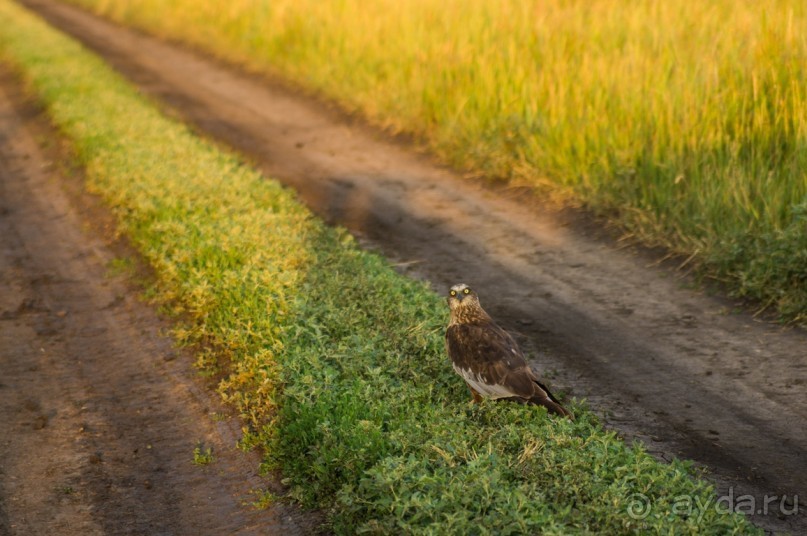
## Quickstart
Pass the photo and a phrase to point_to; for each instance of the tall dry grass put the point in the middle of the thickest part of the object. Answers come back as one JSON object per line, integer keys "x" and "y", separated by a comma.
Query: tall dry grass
{"x": 685, "y": 121}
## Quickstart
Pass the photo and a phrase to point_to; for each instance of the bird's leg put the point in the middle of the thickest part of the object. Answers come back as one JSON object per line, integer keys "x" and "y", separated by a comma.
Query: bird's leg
{"x": 477, "y": 396}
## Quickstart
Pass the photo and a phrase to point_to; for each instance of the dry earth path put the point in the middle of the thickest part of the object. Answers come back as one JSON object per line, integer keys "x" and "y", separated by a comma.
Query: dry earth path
{"x": 660, "y": 360}
{"x": 99, "y": 415}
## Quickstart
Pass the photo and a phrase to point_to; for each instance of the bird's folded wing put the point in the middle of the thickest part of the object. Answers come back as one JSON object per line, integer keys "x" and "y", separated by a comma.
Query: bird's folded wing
{"x": 487, "y": 356}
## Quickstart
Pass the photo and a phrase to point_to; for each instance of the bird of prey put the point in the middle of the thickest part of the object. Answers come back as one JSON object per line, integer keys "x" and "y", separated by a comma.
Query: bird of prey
{"x": 488, "y": 358}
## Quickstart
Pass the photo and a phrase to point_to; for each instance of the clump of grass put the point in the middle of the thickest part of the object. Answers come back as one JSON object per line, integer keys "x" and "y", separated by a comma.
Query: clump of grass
{"x": 335, "y": 362}
{"x": 685, "y": 122}
{"x": 121, "y": 266}
{"x": 202, "y": 455}
{"x": 263, "y": 499}
{"x": 65, "y": 490}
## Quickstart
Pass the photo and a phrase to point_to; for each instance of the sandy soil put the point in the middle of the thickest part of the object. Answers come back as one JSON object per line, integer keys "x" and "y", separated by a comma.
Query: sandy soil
{"x": 660, "y": 360}
{"x": 99, "y": 415}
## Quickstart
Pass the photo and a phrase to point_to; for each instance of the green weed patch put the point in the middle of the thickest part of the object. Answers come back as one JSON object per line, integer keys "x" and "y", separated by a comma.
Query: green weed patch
{"x": 335, "y": 361}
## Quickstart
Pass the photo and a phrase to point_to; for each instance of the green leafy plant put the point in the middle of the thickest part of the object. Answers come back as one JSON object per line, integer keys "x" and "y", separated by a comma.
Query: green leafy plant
{"x": 202, "y": 455}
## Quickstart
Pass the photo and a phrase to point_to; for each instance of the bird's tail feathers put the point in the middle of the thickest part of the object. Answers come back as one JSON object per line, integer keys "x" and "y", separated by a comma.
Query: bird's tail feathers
{"x": 551, "y": 405}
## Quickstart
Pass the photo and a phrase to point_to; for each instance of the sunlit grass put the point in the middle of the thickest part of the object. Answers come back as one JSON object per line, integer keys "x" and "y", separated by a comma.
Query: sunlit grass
{"x": 335, "y": 362}
{"x": 685, "y": 121}
{"x": 203, "y": 455}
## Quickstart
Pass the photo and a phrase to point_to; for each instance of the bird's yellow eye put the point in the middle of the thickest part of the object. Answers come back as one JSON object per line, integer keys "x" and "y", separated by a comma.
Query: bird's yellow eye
{"x": 467, "y": 291}
{"x": 453, "y": 292}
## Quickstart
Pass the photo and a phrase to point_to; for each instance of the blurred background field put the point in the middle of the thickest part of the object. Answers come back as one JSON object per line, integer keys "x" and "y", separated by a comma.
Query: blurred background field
{"x": 683, "y": 122}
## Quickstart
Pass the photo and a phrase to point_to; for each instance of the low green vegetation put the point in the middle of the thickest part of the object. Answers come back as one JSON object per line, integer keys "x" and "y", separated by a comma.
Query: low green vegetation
{"x": 336, "y": 362}
{"x": 684, "y": 121}
{"x": 202, "y": 455}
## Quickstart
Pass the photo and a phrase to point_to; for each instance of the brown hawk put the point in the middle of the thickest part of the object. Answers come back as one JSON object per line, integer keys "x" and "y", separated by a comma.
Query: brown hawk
{"x": 488, "y": 358}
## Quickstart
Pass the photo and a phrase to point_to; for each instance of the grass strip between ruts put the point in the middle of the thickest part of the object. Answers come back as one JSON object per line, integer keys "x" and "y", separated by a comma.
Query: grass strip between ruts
{"x": 335, "y": 361}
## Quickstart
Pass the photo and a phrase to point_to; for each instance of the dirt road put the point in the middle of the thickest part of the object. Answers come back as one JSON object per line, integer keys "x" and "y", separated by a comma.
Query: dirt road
{"x": 659, "y": 360}
{"x": 99, "y": 415}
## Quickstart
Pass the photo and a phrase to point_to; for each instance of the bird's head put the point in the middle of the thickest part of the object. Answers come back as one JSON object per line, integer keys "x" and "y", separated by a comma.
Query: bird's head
{"x": 464, "y": 304}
